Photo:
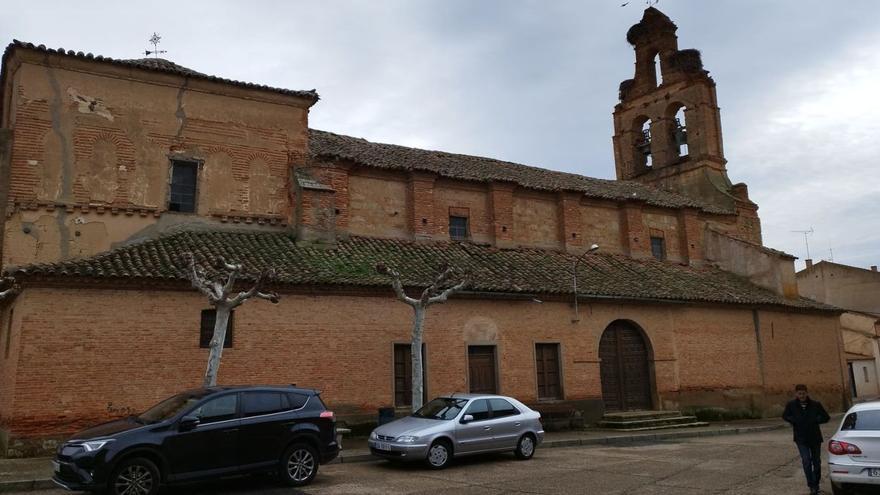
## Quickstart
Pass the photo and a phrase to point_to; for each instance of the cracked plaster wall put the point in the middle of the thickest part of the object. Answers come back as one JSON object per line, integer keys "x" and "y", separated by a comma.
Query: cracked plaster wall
{"x": 85, "y": 141}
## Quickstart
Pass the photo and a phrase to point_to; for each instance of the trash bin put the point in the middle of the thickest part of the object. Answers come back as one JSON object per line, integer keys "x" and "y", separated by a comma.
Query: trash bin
{"x": 386, "y": 415}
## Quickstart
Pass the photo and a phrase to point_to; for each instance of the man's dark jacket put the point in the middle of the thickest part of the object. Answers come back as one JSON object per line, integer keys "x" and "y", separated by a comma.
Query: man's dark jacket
{"x": 805, "y": 422}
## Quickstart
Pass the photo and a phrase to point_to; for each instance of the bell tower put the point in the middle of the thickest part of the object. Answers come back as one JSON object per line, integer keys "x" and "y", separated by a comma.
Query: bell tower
{"x": 667, "y": 126}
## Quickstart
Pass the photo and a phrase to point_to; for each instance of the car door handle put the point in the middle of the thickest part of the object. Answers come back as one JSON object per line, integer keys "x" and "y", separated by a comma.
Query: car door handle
{"x": 487, "y": 427}
{"x": 517, "y": 424}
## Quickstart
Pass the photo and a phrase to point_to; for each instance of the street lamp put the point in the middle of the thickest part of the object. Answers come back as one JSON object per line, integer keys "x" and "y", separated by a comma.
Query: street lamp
{"x": 593, "y": 249}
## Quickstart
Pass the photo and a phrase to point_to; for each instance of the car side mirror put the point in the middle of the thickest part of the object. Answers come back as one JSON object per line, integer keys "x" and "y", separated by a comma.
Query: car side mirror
{"x": 467, "y": 418}
{"x": 188, "y": 423}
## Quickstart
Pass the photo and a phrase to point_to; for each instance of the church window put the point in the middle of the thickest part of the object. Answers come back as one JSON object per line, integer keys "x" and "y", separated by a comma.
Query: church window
{"x": 643, "y": 144}
{"x": 182, "y": 196}
{"x": 680, "y": 132}
{"x": 458, "y": 228}
{"x": 658, "y": 247}
{"x": 206, "y": 332}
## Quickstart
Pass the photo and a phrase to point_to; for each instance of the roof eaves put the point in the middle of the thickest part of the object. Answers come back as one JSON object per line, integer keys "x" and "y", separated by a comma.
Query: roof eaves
{"x": 310, "y": 95}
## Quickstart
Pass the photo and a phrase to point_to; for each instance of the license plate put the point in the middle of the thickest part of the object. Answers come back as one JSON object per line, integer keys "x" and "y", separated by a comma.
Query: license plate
{"x": 874, "y": 472}
{"x": 383, "y": 446}
{"x": 56, "y": 467}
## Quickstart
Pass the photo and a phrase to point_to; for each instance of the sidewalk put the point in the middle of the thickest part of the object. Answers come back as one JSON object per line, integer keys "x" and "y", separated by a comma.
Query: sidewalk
{"x": 17, "y": 475}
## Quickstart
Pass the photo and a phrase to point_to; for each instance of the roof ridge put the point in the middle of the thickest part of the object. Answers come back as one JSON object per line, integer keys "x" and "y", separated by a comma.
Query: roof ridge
{"x": 180, "y": 70}
{"x": 486, "y": 169}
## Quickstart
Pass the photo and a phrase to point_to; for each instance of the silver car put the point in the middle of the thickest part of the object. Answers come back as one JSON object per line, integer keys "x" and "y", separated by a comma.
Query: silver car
{"x": 459, "y": 425}
{"x": 854, "y": 451}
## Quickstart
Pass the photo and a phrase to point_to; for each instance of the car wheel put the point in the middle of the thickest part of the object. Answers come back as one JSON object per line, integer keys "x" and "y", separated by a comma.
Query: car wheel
{"x": 439, "y": 454}
{"x": 525, "y": 448}
{"x": 299, "y": 464}
{"x": 840, "y": 489}
{"x": 136, "y": 476}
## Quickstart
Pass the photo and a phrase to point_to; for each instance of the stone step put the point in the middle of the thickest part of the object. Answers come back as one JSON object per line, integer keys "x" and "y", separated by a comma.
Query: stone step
{"x": 650, "y": 428}
{"x": 663, "y": 422}
{"x": 637, "y": 415}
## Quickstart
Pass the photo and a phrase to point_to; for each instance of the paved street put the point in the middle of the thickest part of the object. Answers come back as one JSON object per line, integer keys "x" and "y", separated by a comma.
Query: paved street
{"x": 760, "y": 463}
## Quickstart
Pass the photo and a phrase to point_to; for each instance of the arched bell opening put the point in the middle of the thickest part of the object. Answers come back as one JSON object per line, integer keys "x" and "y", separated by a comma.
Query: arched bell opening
{"x": 643, "y": 158}
{"x": 677, "y": 113}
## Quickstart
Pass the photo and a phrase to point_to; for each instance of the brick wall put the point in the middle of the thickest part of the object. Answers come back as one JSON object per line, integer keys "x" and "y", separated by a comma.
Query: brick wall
{"x": 106, "y": 353}
{"x": 113, "y": 152}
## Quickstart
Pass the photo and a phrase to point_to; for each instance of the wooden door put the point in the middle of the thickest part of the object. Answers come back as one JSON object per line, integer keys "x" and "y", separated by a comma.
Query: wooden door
{"x": 481, "y": 365}
{"x": 547, "y": 366}
{"x": 626, "y": 380}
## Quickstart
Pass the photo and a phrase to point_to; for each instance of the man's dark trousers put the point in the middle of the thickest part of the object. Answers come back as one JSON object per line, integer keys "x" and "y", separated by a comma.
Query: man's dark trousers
{"x": 811, "y": 457}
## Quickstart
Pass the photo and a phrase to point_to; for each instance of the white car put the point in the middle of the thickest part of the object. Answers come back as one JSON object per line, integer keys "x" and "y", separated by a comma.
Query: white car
{"x": 854, "y": 451}
{"x": 459, "y": 425}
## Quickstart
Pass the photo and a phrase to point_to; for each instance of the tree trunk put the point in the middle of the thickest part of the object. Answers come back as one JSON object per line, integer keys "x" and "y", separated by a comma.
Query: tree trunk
{"x": 417, "y": 382}
{"x": 216, "y": 348}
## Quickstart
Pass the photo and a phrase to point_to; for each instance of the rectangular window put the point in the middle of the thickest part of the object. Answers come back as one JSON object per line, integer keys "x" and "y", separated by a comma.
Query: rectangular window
{"x": 458, "y": 228}
{"x": 182, "y": 196}
{"x": 658, "y": 248}
{"x": 403, "y": 375}
{"x": 547, "y": 365}
{"x": 209, "y": 317}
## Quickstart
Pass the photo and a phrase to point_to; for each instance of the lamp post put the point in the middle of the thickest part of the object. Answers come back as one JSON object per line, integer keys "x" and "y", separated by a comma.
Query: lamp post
{"x": 593, "y": 249}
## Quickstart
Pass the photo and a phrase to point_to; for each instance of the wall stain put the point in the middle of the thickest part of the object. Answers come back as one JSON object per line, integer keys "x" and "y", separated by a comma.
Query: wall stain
{"x": 55, "y": 108}
{"x": 181, "y": 113}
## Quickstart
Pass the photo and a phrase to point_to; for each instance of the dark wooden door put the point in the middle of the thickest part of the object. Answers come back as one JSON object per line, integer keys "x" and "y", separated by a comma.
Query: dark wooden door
{"x": 626, "y": 380}
{"x": 547, "y": 365}
{"x": 481, "y": 364}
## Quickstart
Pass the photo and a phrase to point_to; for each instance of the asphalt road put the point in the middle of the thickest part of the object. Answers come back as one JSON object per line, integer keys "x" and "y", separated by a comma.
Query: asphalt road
{"x": 761, "y": 463}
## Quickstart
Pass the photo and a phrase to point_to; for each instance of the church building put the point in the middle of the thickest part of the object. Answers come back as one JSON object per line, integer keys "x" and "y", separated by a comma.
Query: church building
{"x": 113, "y": 171}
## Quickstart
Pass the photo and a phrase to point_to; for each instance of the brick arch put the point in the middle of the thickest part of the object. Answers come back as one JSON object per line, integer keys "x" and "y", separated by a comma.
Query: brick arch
{"x": 626, "y": 357}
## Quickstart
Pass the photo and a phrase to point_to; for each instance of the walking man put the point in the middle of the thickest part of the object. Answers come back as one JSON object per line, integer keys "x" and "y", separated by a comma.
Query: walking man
{"x": 805, "y": 416}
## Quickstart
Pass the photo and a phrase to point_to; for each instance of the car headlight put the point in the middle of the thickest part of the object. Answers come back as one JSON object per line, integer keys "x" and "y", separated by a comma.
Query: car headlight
{"x": 95, "y": 445}
{"x": 407, "y": 439}
{"x": 373, "y": 435}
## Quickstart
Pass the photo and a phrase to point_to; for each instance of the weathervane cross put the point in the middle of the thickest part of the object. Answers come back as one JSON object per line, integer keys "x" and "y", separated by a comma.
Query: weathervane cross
{"x": 155, "y": 40}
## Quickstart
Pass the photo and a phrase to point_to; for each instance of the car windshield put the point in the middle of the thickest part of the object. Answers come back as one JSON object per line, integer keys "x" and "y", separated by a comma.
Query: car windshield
{"x": 442, "y": 408}
{"x": 862, "y": 420}
{"x": 170, "y": 407}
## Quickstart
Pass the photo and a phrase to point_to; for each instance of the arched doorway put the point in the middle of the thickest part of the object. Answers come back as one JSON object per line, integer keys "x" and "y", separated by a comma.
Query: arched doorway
{"x": 626, "y": 378}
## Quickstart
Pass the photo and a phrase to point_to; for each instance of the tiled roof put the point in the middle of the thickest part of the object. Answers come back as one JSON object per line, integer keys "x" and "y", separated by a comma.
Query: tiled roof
{"x": 157, "y": 65}
{"x": 474, "y": 168}
{"x": 351, "y": 263}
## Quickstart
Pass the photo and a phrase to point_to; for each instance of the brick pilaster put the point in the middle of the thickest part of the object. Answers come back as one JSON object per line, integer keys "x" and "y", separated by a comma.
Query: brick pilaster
{"x": 501, "y": 213}
{"x": 691, "y": 229}
{"x": 570, "y": 221}
{"x": 634, "y": 234}
{"x": 421, "y": 205}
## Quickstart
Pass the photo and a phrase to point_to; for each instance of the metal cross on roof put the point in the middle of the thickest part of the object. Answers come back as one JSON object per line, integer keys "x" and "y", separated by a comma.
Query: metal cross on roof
{"x": 155, "y": 40}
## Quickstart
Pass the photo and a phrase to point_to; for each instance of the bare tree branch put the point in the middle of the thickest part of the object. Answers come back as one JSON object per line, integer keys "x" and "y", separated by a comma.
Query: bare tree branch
{"x": 432, "y": 294}
{"x": 443, "y": 296}
{"x": 396, "y": 284}
{"x": 220, "y": 295}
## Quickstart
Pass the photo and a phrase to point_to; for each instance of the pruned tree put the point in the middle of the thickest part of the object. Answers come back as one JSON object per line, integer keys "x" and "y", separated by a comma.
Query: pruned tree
{"x": 223, "y": 293}
{"x": 11, "y": 289}
{"x": 447, "y": 282}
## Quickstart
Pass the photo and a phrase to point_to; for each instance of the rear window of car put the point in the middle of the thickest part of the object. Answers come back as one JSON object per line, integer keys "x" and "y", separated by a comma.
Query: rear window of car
{"x": 297, "y": 400}
{"x": 257, "y": 403}
{"x": 862, "y": 420}
{"x": 501, "y": 408}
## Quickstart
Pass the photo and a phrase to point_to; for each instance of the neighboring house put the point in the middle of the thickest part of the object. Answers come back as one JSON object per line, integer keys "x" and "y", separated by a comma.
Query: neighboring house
{"x": 857, "y": 290}
{"x": 113, "y": 169}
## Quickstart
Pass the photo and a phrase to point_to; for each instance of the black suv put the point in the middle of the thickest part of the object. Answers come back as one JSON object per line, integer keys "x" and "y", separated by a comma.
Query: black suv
{"x": 203, "y": 433}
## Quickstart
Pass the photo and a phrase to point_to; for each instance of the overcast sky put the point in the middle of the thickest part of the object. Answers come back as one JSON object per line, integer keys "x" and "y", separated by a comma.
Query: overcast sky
{"x": 535, "y": 82}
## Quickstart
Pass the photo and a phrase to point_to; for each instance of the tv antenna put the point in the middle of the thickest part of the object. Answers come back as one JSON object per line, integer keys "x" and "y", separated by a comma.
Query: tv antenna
{"x": 806, "y": 233}
{"x": 155, "y": 40}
